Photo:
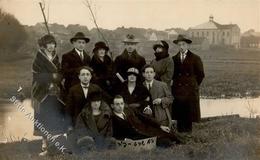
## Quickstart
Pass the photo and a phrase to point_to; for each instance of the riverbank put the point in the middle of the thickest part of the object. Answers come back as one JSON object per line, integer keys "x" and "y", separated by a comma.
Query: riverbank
{"x": 230, "y": 138}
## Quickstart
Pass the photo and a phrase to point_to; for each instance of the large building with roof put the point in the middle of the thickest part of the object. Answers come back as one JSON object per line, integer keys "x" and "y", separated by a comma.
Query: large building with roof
{"x": 217, "y": 34}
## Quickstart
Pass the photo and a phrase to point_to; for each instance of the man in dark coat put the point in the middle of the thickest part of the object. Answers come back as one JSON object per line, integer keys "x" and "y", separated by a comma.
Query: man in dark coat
{"x": 129, "y": 124}
{"x": 73, "y": 60}
{"x": 188, "y": 75}
{"x": 78, "y": 94}
{"x": 129, "y": 58}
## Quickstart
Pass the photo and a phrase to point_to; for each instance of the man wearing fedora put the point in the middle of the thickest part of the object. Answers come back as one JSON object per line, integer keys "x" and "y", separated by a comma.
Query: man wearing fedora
{"x": 129, "y": 58}
{"x": 74, "y": 59}
{"x": 188, "y": 75}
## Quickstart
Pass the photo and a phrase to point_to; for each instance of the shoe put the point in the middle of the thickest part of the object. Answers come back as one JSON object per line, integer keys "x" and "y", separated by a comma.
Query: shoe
{"x": 44, "y": 153}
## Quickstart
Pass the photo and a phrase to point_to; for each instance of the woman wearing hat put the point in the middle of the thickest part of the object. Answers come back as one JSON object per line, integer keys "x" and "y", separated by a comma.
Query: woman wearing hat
{"x": 163, "y": 64}
{"x": 45, "y": 90}
{"x": 134, "y": 92}
{"x": 94, "y": 124}
{"x": 102, "y": 66}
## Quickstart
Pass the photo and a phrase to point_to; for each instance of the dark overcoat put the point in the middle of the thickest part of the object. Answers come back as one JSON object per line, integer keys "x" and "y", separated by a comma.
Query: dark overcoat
{"x": 185, "y": 89}
{"x": 123, "y": 62}
{"x": 43, "y": 78}
{"x": 137, "y": 126}
{"x": 76, "y": 99}
{"x": 140, "y": 95}
{"x": 103, "y": 72}
{"x": 88, "y": 126}
{"x": 70, "y": 64}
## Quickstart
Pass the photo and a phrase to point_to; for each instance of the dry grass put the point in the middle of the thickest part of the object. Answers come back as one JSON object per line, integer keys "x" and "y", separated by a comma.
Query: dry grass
{"x": 232, "y": 138}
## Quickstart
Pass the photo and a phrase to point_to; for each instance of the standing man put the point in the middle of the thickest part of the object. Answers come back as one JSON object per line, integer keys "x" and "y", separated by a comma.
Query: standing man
{"x": 73, "y": 60}
{"x": 188, "y": 75}
{"x": 129, "y": 58}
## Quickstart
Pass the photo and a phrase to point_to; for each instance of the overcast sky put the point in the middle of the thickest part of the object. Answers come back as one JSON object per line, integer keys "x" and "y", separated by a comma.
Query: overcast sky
{"x": 156, "y": 14}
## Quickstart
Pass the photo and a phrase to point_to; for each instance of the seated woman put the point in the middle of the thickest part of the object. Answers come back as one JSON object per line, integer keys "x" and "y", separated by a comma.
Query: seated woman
{"x": 135, "y": 94}
{"x": 94, "y": 125}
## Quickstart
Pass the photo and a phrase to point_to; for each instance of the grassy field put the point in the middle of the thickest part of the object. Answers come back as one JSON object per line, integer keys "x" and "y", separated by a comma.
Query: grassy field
{"x": 231, "y": 138}
{"x": 229, "y": 72}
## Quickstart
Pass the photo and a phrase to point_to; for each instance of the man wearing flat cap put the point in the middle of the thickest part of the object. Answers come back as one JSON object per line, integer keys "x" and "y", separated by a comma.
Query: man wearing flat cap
{"x": 162, "y": 64}
{"x": 129, "y": 58}
{"x": 74, "y": 59}
{"x": 188, "y": 75}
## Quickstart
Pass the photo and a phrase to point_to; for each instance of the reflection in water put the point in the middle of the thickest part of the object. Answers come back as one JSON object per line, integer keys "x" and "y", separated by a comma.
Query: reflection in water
{"x": 245, "y": 107}
{"x": 15, "y": 125}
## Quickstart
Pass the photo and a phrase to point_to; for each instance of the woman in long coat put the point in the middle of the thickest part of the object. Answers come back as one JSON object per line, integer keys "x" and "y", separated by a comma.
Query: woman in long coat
{"x": 163, "y": 64}
{"x": 102, "y": 66}
{"x": 48, "y": 108}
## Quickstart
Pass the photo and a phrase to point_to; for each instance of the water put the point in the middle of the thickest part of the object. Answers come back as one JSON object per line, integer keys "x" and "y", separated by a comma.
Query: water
{"x": 14, "y": 124}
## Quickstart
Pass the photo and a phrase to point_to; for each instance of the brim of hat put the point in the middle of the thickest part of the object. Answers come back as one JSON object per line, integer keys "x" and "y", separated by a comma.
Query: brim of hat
{"x": 129, "y": 73}
{"x": 157, "y": 45}
{"x": 97, "y": 48}
{"x": 74, "y": 39}
{"x": 184, "y": 40}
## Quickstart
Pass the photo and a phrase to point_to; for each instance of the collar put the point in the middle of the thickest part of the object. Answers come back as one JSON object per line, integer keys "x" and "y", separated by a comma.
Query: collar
{"x": 84, "y": 86}
{"x": 78, "y": 51}
{"x": 147, "y": 83}
{"x": 120, "y": 115}
{"x": 185, "y": 53}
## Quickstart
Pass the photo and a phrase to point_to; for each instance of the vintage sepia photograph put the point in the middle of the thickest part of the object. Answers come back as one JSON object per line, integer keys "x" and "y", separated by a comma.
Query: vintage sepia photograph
{"x": 129, "y": 79}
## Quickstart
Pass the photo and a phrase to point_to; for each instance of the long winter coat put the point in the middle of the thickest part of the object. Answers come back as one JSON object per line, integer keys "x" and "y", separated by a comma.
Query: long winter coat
{"x": 185, "y": 89}
{"x": 44, "y": 84}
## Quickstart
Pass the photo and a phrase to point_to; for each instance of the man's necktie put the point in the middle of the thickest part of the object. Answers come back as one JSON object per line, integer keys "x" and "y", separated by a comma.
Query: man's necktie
{"x": 81, "y": 56}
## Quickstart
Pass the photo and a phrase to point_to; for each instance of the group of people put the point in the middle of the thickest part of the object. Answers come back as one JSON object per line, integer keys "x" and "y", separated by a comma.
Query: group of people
{"x": 97, "y": 99}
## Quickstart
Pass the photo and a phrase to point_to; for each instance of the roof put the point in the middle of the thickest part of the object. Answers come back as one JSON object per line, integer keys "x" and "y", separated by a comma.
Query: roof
{"x": 213, "y": 25}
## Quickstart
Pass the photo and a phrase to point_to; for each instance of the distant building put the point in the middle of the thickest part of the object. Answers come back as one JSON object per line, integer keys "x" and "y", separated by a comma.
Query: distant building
{"x": 217, "y": 34}
{"x": 200, "y": 43}
{"x": 153, "y": 37}
{"x": 174, "y": 32}
{"x": 250, "y": 39}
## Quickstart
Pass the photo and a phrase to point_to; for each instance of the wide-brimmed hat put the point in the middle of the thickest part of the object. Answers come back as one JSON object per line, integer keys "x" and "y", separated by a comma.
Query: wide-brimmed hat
{"x": 162, "y": 44}
{"x": 133, "y": 70}
{"x": 100, "y": 45}
{"x": 46, "y": 39}
{"x": 79, "y": 35}
{"x": 182, "y": 38}
{"x": 130, "y": 38}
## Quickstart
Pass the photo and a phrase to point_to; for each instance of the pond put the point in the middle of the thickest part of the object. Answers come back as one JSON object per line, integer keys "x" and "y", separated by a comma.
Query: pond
{"x": 15, "y": 124}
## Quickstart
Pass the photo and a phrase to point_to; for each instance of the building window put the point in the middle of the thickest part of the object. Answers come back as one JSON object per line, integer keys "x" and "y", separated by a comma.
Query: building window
{"x": 207, "y": 33}
{"x": 227, "y": 34}
{"x": 202, "y": 34}
{"x": 198, "y": 34}
{"x": 224, "y": 33}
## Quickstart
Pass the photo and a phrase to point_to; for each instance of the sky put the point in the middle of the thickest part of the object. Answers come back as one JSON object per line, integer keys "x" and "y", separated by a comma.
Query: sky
{"x": 156, "y": 14}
